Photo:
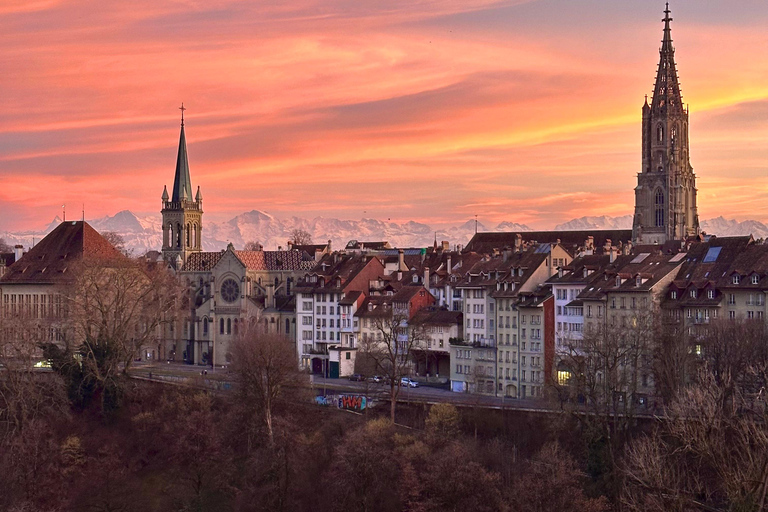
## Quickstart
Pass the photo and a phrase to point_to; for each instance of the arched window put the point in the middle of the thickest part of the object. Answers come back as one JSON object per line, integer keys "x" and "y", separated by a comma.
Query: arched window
{"x": 287, "y": 326}
{"x": 221, "y": 326}
{"x": 229, "y": 326}
{"x": 288, "y": 286}
{"x": 205, "y": 326}
{"x": 660, "y": 133}
{"x": 236, "y": 331}
{"x": 178, "y": 235}
{"x": 659, "y": 202}
{"x": 189, "y": 235}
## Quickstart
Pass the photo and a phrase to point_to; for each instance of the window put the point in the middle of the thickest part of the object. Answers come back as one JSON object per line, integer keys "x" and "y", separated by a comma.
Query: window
{"x": 755, "y": 279}
{"x": 229, "y": 326}
{"x": 731, "y": 299}
{"x": 221, "y": 326}
{"x": 659, "y": 208}
{"x": 736, "y": 279}
{"x": 205, "y": 326}
{"x": 710, "y": 294}
{"x": 693, "y": 293}
{"x": 732, "y": 315}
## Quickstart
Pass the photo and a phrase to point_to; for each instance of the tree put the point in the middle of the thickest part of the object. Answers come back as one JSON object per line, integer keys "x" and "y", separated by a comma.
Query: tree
{"x": 117, "y": 241}
{"x": 388, "y": 347}
{"x": 301, "y": 237}
{"x": 252, "y": 246}
{"x": 113, "y": 308}
{"x": 4, "y": 247}
{"x": 611, "y": 370}
{"x": 709, "y": 452}
{"x": 263, "y": 364}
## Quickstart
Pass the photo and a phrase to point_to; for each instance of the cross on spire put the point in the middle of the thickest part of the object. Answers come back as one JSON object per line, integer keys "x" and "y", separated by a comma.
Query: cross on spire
{"x": 183, "y": 109}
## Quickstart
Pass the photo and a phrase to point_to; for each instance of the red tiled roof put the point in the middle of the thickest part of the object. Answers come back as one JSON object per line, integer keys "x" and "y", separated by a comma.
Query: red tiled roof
{"x": 48, "y": 261}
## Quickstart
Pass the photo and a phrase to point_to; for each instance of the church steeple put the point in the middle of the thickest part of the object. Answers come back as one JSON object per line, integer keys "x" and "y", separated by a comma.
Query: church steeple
{"x": 666, "y": 93}
{"x": 665, "y": 196}
{"x": 182, "y": 185}
{"x": 182, "y": 215}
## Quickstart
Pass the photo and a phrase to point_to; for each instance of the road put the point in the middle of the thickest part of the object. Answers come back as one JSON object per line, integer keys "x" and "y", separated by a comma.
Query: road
{"x": 179, "y": 372}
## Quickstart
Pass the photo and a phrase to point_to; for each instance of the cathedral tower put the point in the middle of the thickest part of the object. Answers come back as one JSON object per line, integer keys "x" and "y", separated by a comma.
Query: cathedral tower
{"x": 665, "y": 196}
{"x": 182, "y": 216}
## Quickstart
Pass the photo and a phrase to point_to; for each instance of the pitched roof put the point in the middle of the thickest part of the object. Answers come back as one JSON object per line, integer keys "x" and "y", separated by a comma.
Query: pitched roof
{"x": 488, "y": 241}
{"x": 201, "y": 261}
{"x": 48, "y": 261}
{"x": 182, "y": 185}
{"x": 271, "y": 260}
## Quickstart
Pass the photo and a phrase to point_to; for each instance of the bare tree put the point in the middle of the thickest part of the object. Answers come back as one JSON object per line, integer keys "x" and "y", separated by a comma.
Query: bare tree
{"x": 26, "y": 393}
{"x": 113, "y": 308}
{"x": 264, "y": 365}
{"x": 117, "y": 241}
{"x": 301, "y": 237}
{"x": 4, "y": 247}
{"x": 252, "y": 246}
{"x": 388, "y": 348}
{"x": 611, "y": 369}
{"x": 710, "y": 451}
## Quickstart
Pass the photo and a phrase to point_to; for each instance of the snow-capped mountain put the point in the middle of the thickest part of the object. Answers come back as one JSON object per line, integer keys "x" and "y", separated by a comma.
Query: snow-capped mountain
{"x": 142, "y": 234}
{"x": 601, "y": 222}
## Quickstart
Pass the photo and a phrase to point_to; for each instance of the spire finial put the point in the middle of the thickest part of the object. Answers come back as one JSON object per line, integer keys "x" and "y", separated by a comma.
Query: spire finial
{"x": 183, "y": 109}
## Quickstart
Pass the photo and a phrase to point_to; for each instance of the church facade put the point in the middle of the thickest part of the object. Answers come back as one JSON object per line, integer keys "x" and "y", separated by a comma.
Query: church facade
{"x": 665, "y": 196}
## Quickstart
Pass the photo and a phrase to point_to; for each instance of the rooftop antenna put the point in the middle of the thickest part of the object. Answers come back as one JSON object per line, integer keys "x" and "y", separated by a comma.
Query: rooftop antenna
{"x": 64, "y": 213}
{"x": 83, "y": 212}
{"x": 475, "y": 223}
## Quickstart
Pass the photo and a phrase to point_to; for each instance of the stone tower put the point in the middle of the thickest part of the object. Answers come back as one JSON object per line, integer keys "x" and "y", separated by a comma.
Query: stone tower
{"x": 182, "y": 216}
{"x": 665, "y": 196}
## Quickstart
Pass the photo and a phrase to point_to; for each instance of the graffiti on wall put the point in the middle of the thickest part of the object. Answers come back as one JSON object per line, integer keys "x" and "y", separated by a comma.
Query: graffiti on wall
{"x": 350, "y": 402}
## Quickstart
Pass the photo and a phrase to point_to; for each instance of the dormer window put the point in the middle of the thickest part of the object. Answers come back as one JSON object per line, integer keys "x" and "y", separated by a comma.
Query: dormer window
{"x": 736, "y": 279}
{"x": 673, "y": 294}
{"x": 710, "y": 294}
{"x": 693, "y": 293}
{"x": 618, "y": 281}
{"x": 415, "y": 278}
{"x": 638, "y": 281}
{"x": 755, "y": 279}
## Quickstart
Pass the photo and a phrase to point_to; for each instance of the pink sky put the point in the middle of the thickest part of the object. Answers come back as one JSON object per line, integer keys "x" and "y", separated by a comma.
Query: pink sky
{"x": 434, "y": 111}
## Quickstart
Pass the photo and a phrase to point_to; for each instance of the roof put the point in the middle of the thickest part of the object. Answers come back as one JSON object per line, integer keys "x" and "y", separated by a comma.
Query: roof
{"x": 271, "y": 260}
{"x": 439, "y": 316}
{"x": 201, "y": 261}
{"x": 488, "y": 241}
{"x": 406, "y": 293}
{"x": 48, "y": 261}
{"x": 182, "y": 185}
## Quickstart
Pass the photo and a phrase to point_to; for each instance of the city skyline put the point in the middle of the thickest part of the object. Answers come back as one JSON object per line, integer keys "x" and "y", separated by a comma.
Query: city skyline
{"x": 436, "y": 112}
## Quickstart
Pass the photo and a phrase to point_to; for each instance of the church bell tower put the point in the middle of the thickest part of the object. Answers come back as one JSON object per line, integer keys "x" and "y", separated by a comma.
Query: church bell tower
{"x": 182, "y": 216}
{"x": 665, "y": 196}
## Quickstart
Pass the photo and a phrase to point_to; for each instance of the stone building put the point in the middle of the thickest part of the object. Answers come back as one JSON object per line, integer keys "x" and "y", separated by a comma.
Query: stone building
{"x": 665, "y": 196}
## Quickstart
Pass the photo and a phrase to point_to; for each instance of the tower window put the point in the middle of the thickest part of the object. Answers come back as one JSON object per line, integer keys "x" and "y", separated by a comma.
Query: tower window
{"x": 659, "y": 208}
{"x": 660, "y": 133}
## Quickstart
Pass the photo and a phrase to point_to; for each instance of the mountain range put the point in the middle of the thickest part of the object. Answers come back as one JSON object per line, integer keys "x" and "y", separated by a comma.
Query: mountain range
{"x": 142, "y": 234}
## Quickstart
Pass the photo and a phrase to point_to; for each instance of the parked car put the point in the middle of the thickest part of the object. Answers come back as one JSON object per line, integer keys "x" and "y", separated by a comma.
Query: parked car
{"x": 376, "y": 378}
{"x": 357, "y": 377}
{"x": 405, "y": 381}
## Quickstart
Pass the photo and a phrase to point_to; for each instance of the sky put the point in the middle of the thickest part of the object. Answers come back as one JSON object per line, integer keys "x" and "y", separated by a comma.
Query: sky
{"x": 424, "y": 110}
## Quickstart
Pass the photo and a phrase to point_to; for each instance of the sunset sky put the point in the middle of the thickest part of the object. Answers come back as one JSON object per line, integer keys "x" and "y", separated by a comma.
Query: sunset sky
{"x": 426, "y": 110}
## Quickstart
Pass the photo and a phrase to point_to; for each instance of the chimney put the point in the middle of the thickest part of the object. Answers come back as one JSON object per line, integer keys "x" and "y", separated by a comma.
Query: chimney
{"x": 400, "y": 259}
{"x": 559, "y": 271}
{"x": 495, "y": 252}
{"x": 426, "y": 277}
{"x": 612, "y": 252}
{"x": 448, "y": 266}
{"x": 329, "y": 246}
{"x": 446, "y": 245}
{"x": 290, "y": 245}
{"x": 589, "y": 245}
{"x": 607, "y": 246}
{"x": 18, "y": 252}
{"x": 518, "y": 242}
{"x": 627, "y": 248}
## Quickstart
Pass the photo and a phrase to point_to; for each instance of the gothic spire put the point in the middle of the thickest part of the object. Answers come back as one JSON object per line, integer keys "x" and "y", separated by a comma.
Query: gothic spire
{"x": 182, "y": 185}
{"x": 666, "y": 93}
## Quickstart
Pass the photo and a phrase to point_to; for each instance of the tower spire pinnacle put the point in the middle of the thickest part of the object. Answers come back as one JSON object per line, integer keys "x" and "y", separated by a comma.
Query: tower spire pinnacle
{"x": 183, "y": 109}
{"x": 667, "y": 41}
{"x": 182, "y": 185}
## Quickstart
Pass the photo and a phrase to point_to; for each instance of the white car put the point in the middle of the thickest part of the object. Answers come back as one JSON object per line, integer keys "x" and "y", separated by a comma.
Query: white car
{"x": 405, "y": 381}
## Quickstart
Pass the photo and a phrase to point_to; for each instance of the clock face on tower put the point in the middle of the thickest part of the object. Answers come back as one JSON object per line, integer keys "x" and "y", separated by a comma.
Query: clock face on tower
{"x": 230, "y": 290}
